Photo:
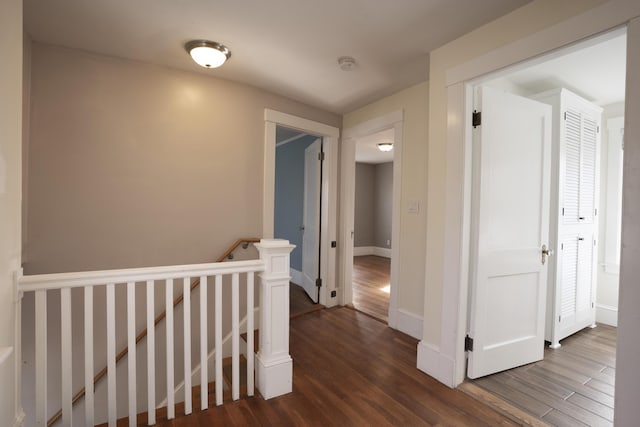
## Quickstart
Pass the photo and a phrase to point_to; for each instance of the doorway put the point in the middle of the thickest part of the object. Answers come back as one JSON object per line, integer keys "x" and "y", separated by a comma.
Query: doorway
{"x": 574, "y": 382}
{"x": 372, "y": 242}
{"x": 298, "y": 204}
{"x": 361, "y": 142}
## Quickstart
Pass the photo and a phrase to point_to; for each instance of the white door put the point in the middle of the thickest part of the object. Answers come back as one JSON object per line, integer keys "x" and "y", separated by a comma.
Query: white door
{"x": 512, "y": 156}
{"x": 311, "y": 218}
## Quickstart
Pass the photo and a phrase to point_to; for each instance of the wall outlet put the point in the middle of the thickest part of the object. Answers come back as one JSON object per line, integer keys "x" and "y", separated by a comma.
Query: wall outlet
{"x": 334, "y": 294}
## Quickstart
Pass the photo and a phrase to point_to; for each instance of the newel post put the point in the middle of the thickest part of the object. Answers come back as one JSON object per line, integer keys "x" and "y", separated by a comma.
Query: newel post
{"x": 274, "y": 364}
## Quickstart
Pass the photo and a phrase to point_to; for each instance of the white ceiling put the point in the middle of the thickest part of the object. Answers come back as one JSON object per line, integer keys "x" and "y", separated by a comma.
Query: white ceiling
{"x": 596, "y": 71}
{"x": 289, "y": 47}
{"x": 367, "y": 148}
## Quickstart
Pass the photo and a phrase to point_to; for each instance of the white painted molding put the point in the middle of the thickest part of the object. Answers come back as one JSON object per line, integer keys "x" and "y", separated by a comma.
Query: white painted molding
{"x": 374, "y": 125}
{"x": 433, "y": 363}
{"x": 19, "y": 419}
{"x": 296, "y": 122}
{"x": 611, "y": 268}
{"x": 409, "y": 323}
{"x": 607, "y": 315}
{"x": 372, "y": 250}
{"x": 296, "y": 276}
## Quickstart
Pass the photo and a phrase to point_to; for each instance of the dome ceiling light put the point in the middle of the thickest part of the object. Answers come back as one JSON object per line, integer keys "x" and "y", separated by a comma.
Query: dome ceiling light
{"x": 385, "y": 146}
{"x": 208, "y": 54}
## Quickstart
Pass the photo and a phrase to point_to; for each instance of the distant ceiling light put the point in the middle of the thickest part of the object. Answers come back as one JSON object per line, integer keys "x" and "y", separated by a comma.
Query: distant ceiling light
{"x": 385, "y": 146}
{"x": 208, "y": 54}
{"x": 346, "y": 63}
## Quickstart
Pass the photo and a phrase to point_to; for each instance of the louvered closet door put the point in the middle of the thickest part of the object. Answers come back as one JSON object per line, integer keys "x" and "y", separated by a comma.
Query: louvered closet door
{"x": 586, "y": 210}
{"x": 569, "y": 281}
{"x": 571, "y": 187}
{"x": 584, "y": 289}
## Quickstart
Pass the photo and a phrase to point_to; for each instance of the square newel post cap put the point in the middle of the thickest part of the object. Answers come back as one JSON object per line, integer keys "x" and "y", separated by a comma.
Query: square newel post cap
{"x": 270, "y": 244}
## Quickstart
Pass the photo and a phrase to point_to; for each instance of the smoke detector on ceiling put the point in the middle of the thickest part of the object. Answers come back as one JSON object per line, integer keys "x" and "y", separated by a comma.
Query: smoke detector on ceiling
{"x": 346, "y": 63}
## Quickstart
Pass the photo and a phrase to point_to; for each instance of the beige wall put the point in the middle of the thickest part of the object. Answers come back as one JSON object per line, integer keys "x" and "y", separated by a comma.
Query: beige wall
{"x": 10, "y": 193}
{"x": 413, "y": 102}
{"x": 135, "y": 165}
{"x": 522, "y": 22}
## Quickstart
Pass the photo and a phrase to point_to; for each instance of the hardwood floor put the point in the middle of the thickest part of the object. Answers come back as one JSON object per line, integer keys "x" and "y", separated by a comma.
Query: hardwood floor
{"x": 351, "y": 370}
{"x": 371, "y": 274}
{"x": 300, "y": 303}
{"x": 571, "y": 386}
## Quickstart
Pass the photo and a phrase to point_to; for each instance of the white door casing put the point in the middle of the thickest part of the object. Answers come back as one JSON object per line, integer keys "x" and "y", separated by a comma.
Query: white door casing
{"x": 510, "y": 225}
{"x": 311, "y": 218}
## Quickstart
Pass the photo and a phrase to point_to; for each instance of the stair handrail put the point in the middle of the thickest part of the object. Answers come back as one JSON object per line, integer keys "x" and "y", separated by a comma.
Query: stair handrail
{"x": 245, "y": 241}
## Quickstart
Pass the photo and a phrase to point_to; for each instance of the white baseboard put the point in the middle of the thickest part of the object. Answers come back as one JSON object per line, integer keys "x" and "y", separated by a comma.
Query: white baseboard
{"x": 372, "y": 250}
{"x": 435, "y": 364}
{"x": 409, "y": 323}
{"x": 607, "y": 315}
{"x": 296, "y": 276}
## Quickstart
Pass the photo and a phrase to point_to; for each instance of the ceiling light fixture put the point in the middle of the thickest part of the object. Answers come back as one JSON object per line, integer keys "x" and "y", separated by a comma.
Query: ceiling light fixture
{"x": 208, "y": 54}
{"x": 385, "y": 146}
{"x": 346, "y": 63}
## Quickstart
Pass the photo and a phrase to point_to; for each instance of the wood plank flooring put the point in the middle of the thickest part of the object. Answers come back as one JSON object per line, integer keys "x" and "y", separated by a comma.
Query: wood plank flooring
{"x": 351, "y": 370}
{"x": 370, "y": 275}
{"x": 571, "y": 386}
{"x": 299, "y": 301}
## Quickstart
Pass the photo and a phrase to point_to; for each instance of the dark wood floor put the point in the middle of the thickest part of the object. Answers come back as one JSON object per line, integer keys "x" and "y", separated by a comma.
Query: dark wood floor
{"x": 351, "y": 370}
{"x": 371, "y": 274}
{"x": 571, "y": 386}
{"x": 300, "y": 303}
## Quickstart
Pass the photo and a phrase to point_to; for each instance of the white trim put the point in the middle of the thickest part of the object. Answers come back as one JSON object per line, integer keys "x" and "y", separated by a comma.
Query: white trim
{"x": 299, "y": 123}
{"x": 19, "y": 419}
{"x": 602, "y": 18}
{"x": 392, "y": 120}
{"x": 432, "y": 362}
{"x": 607, "y": 314}
{"x": 296, "y": 276}
{"x": 328, "y": 216}
{"x": 410, "y": 323}
{"x": 372, "y": 250}
{"x": 611, "y": 268}
{"x": 293, "y": 138}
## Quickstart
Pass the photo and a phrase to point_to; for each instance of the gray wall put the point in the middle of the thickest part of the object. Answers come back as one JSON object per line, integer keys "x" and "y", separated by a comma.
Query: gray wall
{"x": 135, "y": 165}
{"x": 289, "y": 201}
{"x": 373, "y": 203}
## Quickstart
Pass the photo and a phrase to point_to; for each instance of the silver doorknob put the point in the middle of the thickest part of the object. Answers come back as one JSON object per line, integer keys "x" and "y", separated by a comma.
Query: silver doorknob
{"x": 545, "y": 253}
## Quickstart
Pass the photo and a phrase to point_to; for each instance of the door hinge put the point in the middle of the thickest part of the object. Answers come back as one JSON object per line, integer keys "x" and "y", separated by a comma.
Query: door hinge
{"x": 598, "y": 129}
{"x": 592, "y": 305}
{"x": 559, "y": 319}
{"x": 318, "y": 282}
{"x": 595, "y": 212}
{"x": 468, "y": 343}
{"x": 321, "y": 156}
{"x": 562, "y": 211}
{"x": 561, "y": 246}
{"x": 565, "y": 115}
{"x": 476, "y": 118}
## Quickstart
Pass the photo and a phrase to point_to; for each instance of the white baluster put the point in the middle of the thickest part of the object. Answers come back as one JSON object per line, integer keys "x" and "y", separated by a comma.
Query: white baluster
{"x": 151, "y": 354}
{"x": 235, "y": 337}
{"x": 88, "y": 356}
{"x": 168, "y": 306}
{"x": 250, "y": 327}
{"x": 218, "y": 338}
{"x": 41, "y": 357}
{"x": 187, "y": 345}
{"x": 111, "y": 354}
{"x": 65, "y": 357}
{"x": 204, "y": 394}
{"x": 131, "y": 357}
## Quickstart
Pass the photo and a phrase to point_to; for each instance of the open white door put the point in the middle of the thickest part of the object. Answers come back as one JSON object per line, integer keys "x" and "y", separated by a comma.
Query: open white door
{"x": 311, "y": 217}
{"x": 512, "y": 156}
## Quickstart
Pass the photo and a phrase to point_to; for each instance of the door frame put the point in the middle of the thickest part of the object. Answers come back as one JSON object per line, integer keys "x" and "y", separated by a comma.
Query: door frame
{"x": 393, "y": 120}
{"x": 328, "y": 214}
{"x": 447, "y": 361}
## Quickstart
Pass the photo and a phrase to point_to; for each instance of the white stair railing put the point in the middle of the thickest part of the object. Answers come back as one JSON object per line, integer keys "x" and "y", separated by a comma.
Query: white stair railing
{"x": 274, "y": 367}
